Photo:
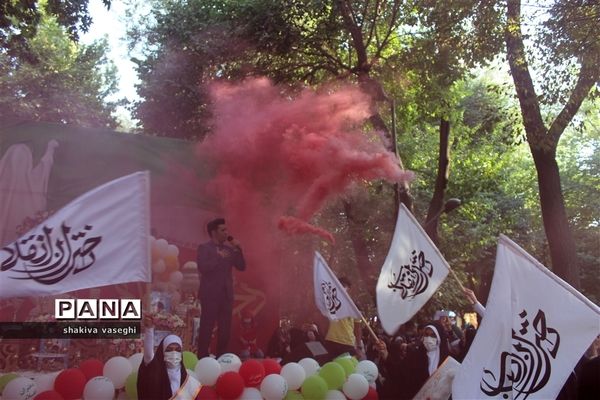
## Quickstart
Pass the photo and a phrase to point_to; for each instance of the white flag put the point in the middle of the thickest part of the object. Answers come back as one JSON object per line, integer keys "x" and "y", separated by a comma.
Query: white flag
{"x": 535, "y": 329}
{"x": 411, "y": 273}
{"x": 101, "y": 238}
{"x": 330, "y": 296}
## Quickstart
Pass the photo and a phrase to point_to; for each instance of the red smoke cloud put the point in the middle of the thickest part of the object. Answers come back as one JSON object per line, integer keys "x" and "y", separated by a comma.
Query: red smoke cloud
{"x": 277, "y": 157}
{"x": 277, "y": 161}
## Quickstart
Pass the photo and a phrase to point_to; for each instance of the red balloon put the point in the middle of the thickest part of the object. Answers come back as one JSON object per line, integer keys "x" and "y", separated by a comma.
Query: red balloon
{"x": 371, "y": 395}
{"x": 207, "y": 393}
{"x": 230, "y": 385}
{"x": 91, "y": 368}
{"x": 70, "y": 383}
{"x": 253, "y": 372}
{"x": 48, "y": 395}
{"x": 271, "y": 366}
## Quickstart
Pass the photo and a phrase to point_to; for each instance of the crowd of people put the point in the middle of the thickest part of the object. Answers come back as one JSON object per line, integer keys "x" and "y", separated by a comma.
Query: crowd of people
{"x": 405, "y": 360}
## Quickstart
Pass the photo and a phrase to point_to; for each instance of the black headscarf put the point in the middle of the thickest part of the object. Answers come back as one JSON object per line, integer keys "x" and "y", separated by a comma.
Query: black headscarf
{"x": 153, "y": 381}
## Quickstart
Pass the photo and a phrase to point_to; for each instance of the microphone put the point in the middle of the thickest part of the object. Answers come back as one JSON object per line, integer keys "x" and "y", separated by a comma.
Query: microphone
{"x": 230, "y": 240}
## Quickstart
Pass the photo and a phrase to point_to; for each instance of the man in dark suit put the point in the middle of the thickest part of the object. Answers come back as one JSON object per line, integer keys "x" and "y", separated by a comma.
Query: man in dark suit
{"x": 216, "y": 260}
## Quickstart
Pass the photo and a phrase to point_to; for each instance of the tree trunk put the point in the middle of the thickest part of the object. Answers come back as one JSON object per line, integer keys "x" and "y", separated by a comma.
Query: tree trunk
{"x": 436, "y": 205}
{"x": 543, "y": 143}
{"x": 556, "y": 224}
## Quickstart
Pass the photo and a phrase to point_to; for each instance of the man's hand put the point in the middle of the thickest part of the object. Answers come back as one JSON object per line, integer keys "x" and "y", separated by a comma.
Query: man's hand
{"x": 382, "y": 349}
{"x": 470, "y": 295}
{"x": 233, "y": 243}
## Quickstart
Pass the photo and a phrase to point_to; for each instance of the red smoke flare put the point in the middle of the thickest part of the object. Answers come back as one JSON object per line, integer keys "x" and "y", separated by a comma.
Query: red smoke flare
{"x": 274, "y": 156}
{"x": 295, "y": 226}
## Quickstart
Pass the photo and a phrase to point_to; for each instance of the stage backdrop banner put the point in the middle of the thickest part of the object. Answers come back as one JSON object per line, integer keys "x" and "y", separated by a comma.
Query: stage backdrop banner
{"x": 43, "y": 167}
{"x": 330, "y": 296}
{"x": 413, "y": 270}
{"x": 535, "y": 329}
{"x": 100, "y": 238}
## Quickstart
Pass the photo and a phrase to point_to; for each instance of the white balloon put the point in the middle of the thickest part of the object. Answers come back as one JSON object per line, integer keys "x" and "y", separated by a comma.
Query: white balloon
{"x": 99, "y": 388}
{"x": 172, "y": 250}
{"x": 310, "y": 365}
{"x": 250, "y": 393}
{"x": 45, "y": 382}
{"x": 207, "y": 371}
{"x": 162, "y": 246}
{"x": 273, "y": 387}
{"x": 334, "y": 395}
{"x": 135, "y": 360}
{"x": 229, "y": 362}
{"x": 117, "y": 369}
{"x": 159, "y": 266}
{"x": 190, "y": 266}
{"x": 176, "y": 277}
{"x": 368, "y": 369}
{"x": 294, "y": 375}
{"x": 356, "y": 387}
{"x": 20, "y": 389}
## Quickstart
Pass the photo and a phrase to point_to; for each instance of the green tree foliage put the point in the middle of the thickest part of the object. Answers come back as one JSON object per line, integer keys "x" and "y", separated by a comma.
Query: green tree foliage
{"x": 64, "y": 82}
{"x": 419, "y": 52}
{"x": 19, "y": 20}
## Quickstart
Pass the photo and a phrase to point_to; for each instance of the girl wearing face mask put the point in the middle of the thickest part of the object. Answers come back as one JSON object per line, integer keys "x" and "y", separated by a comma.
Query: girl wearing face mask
{"x": 409, "y": 365}
{"x": 432, "y": 343}
{"x": 162, "y": 375}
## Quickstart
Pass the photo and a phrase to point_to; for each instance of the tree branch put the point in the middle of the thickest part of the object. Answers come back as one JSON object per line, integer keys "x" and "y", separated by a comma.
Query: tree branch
{"x": 589, "y": 75}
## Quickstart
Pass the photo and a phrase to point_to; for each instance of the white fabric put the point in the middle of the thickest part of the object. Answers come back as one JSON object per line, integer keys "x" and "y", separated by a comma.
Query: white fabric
{"x": 170, "y": 339}
{"x": 411, "y": 273}
{"x": 101, "y": 238}
{"x": 536, "y": 328}
{"x": 188, "y": 390}
{"x": 330, "y": 296}
{"x": 174, "y": 378}
{"x": 148, "y": 345}
{"x": 433, "y": 356}
{"x": 23, "y": 187}
{"x": 479, "y": 309}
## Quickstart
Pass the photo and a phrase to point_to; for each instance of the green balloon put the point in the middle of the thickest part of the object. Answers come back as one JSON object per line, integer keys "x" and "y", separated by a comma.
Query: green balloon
{"x": 347, "y": 364}
{"x": 334, "y": 375}
{"x": 293, "y": 395}
{"x": 190, "y": 360}
{"x": 354, "y": 361}
{"x": 314, "y": 388}
{"x": 131, "y": 386}
{"x": 4, "y": 379}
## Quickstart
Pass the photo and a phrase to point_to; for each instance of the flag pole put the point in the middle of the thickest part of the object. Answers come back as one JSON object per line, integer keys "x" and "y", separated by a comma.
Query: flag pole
{"x": 456, "y": 278}
{"x": 369, "y": 328}
{"x": 362, "y": 317}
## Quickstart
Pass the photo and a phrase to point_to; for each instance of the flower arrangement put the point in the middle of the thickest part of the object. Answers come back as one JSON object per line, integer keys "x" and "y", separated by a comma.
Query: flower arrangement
{"x": 166, "y": 321}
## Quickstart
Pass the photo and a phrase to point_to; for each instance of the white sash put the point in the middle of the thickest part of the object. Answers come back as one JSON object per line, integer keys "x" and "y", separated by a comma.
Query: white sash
{"x": 189, "y": 389}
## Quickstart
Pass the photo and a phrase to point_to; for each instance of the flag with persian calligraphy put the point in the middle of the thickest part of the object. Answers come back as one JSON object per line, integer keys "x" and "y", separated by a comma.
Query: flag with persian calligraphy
{"x": 100, "y": 238}
{"x": 413, "y": 270}
{"x": 330, "y": 296}
{"x": 535, "y": 329}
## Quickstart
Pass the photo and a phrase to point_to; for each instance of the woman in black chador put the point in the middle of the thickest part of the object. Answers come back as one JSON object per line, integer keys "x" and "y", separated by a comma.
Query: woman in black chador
{"x": 162, "y": 376}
